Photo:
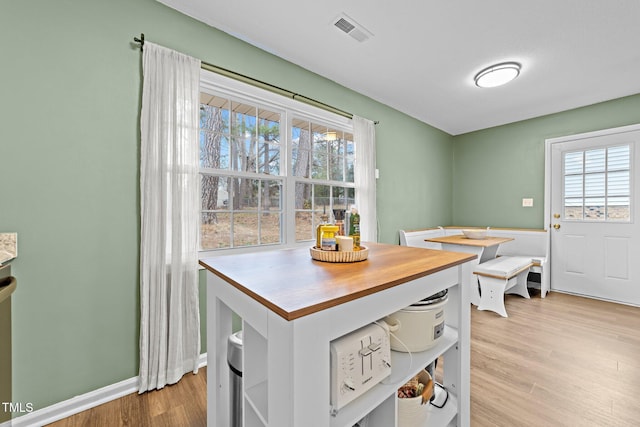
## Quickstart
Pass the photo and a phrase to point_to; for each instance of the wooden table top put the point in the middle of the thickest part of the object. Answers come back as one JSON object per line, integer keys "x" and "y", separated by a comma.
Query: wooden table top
{"x": 293, "y": 285}
{"x": 460, "y": 239}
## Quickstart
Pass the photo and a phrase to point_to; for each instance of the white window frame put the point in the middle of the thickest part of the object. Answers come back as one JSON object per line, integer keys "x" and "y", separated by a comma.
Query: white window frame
{"x": 605, "y": 196}
{"x": 289, "y": 108}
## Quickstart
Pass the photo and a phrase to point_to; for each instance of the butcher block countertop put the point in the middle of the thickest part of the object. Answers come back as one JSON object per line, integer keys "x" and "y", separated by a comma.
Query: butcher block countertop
{"x": 462, "y": 240}
{"x": 290, "y": 283}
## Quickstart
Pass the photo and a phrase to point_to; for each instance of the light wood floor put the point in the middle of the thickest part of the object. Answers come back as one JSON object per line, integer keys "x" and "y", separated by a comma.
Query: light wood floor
{"x": 180, "y": 405}
{"x": 560, "y": 361}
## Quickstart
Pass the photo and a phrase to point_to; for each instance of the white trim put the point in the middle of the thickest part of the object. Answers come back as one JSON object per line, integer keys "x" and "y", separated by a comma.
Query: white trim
{"x": 81, "y": 403}
{"x": 210, "y": 81}
{"x": 602, "y": 132}
{"x": 548, "y": 180}
{"x": 547, "y": 160}
{"x": 630, "y": 304}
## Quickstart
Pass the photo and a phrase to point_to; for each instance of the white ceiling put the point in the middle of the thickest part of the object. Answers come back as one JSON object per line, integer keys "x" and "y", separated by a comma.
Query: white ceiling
{"x": 422, "y": 54}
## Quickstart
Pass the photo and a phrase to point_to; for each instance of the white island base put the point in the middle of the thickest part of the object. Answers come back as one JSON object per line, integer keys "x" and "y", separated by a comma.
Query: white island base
{"x": 292, "y": 308}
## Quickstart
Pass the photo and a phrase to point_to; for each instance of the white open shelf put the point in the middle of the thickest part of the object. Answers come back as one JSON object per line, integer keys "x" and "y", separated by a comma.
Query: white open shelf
{"x": 441, "y": 417}
{"x": 403, "y": 368}
{"x": 256, "y": 397}
{"x": 256, "y": 391}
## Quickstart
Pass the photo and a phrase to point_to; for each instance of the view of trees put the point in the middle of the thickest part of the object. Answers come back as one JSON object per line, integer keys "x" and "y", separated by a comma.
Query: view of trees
{"x": 241, "y": 185}
{"x": 243, "y": 141}
{"x": 238, "y": 140}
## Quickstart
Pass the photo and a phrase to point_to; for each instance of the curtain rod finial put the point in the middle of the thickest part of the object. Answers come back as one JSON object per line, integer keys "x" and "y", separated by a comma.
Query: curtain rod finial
{"x": 140, "y": 40}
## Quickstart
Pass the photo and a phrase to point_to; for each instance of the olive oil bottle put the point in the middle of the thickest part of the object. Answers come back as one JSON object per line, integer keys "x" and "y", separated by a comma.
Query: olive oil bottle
{"x": 354, "y": 228}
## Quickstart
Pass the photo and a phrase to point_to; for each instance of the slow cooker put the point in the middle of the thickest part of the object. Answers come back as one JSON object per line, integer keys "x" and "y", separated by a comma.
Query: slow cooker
{"x": 419, "y": 326}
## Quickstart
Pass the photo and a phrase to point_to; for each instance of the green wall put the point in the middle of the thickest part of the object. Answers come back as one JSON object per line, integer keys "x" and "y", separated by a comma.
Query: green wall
{"x": 69, "y": 144}
{"x": 494, "y": 169}
{"x": 415, "y": 186}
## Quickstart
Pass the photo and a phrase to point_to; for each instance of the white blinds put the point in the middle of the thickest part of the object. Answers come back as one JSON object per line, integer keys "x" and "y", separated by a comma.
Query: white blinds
{"x": 597, "y": 184}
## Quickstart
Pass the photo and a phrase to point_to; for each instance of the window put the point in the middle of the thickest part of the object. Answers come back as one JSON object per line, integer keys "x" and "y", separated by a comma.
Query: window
{"x": 240, "y": 154}
{"x": 597, "y": 184}
{"x": 270, "y": 167}
{"x": 322, "y": 168}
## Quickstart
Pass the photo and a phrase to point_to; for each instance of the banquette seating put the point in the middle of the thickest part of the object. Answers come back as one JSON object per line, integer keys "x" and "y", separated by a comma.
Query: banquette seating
{"x": 417, "y": 238}
{"x": 528, "y": 243}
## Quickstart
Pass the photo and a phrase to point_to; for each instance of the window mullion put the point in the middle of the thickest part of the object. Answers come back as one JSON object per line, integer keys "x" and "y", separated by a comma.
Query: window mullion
{"x": 290, "y": 184}
{"x": 584, "y": 185}
{"x": 606, "y": 184}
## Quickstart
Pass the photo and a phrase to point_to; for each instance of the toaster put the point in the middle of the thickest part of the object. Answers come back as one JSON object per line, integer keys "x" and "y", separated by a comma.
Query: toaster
{"x": 359, "y": 361}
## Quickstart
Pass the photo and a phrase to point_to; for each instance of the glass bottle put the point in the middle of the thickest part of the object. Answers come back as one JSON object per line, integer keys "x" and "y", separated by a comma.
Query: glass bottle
{"x": 354, "y": 228}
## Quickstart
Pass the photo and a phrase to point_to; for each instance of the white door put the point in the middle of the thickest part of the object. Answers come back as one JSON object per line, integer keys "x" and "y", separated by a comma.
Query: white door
{"x": 594, "y": 214}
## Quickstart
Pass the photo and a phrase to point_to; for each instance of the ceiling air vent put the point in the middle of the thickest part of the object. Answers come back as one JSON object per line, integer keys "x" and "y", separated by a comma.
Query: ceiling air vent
{"x": 351, "y": 27}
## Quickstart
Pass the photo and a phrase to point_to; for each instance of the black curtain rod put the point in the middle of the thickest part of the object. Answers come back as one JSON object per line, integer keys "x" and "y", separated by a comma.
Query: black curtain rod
{"x": 263, "y": 85}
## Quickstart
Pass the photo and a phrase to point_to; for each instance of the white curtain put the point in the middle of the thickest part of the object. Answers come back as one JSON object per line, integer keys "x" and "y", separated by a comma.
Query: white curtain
{"x": 364, "y": 138}
{"x": 169, "y": 320}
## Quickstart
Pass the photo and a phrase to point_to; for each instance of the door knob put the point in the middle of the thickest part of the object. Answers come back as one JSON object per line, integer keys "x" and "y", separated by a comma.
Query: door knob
{"x": 556, "y": 215}
{"x": 556, "y": 226}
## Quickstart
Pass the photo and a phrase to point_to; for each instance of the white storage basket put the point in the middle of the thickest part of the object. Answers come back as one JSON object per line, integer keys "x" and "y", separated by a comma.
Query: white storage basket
{"x": 412, "y": 411}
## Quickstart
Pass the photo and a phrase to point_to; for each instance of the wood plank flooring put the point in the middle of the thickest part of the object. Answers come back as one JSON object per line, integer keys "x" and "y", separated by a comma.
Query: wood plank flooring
{"x": 180, "y": 405}
{"x": 559, "y": 361}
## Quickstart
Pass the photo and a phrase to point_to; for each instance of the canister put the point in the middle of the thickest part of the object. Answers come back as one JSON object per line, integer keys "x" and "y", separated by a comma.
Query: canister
{"x": 329, "y": 237}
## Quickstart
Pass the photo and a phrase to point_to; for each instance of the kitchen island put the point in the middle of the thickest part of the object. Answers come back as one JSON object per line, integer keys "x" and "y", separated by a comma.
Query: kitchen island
{"x": 292, "y": 307}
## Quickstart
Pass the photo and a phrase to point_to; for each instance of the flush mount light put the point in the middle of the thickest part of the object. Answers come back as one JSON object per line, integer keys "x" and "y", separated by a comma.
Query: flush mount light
{"x": 497, "y": 75}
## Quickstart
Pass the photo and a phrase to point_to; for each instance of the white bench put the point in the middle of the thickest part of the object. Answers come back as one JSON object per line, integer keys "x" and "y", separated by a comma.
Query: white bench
{"x": 527, "y": 242}
{"x": 531, "y": 243}
{"x": 416, "y": 238}
{"x": 500, "y": 276}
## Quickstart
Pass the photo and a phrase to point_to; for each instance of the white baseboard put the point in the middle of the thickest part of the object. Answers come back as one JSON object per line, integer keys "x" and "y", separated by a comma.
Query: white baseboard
{"x": 202, "y": 361}
{"x": 81, "y": 403}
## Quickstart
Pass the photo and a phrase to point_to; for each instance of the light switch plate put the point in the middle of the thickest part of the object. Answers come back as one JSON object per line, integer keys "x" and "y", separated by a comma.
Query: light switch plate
{"x": 527, "y": 203}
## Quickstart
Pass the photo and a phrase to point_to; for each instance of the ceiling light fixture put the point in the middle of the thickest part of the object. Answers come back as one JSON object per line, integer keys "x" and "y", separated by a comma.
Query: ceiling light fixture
{"x": 497, "y": 75}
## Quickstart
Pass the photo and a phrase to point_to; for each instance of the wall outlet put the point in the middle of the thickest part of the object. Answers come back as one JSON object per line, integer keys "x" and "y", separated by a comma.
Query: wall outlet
{"x": 527, "y": 203}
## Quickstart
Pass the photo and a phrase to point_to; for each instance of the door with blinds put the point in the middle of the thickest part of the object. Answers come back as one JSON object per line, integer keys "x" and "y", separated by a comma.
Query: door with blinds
{"x": 595, "y": 239}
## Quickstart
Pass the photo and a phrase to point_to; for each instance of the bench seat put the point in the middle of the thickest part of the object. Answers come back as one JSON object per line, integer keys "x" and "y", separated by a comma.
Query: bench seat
{"x": 530, "y": 243}
{"x": 500, "y": 276}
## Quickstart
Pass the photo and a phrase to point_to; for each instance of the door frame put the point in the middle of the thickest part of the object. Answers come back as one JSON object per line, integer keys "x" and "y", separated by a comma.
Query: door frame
{"x": 548, "y": 178}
